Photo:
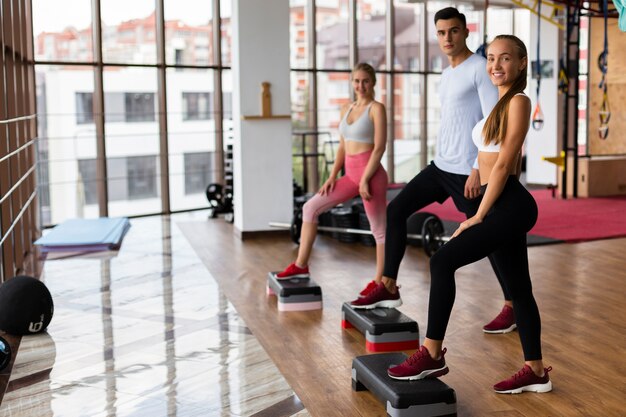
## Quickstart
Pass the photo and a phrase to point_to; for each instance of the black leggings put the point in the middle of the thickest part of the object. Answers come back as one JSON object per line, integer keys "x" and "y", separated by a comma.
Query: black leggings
{"x": 430, "y": 185}
{"x": 502, "y": 233}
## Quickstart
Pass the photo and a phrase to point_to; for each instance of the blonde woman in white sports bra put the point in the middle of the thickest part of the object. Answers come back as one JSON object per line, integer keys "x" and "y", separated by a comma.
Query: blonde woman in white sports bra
{"x": 506, "y": 213}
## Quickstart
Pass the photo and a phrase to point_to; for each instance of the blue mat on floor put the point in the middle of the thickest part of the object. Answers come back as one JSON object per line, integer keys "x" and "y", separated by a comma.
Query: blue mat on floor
{"x": 85, "y": 234}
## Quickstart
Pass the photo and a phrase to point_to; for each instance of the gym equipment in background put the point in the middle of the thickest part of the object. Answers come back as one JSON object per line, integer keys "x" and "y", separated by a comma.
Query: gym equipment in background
{"x": 26, "y": 306}
{"x": 295, "y": 294}
{"x": 424, "y": 398}
{"x": 385, "y": 329}
{"x": 5, "y": 353}
{"x": 220, "y": 202}
{"x": 431, "y": 227}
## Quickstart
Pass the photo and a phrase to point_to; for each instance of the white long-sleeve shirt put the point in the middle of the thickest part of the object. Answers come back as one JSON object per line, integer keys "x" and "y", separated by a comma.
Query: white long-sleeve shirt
{"x": 466, "y": 95}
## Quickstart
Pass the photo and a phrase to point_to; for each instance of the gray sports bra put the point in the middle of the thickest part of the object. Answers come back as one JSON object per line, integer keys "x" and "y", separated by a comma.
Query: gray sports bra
{"x": 360, "y": 130}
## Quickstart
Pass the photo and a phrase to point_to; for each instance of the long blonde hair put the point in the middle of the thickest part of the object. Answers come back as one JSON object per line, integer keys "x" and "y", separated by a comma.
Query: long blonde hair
{"x": 495, "y": 125}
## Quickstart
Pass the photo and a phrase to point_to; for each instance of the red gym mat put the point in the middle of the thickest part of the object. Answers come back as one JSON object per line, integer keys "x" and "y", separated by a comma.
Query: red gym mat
{"x": 571, "y": 220}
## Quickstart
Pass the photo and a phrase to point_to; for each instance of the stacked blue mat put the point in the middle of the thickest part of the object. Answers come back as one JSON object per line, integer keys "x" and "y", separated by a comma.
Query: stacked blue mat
{"x": 87, "y": 235}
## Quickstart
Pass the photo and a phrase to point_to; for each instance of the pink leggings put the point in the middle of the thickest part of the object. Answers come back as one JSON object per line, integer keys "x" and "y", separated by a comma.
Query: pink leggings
{"x": 347, "y": 187}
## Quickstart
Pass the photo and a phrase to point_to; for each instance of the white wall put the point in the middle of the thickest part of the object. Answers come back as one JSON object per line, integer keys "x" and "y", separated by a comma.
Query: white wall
{"x": 262, "y": 148}
{"x": 544, "y": 142}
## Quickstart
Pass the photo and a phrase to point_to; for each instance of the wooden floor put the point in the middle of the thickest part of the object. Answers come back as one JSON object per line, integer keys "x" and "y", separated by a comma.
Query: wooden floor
{"x": 580, "y": 289}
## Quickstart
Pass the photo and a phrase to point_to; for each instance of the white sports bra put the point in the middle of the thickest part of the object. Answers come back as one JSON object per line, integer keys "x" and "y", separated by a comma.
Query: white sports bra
{"x": 479, "y": 139}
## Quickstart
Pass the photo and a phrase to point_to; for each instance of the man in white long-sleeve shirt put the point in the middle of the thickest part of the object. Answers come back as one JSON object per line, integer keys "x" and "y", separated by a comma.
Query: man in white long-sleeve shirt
{"x": 467, "y": 95}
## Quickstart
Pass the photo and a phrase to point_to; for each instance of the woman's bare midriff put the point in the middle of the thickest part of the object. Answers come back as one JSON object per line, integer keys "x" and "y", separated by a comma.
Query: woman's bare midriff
{"x": 486, "y": 161}
{"x": 353, "y": 148}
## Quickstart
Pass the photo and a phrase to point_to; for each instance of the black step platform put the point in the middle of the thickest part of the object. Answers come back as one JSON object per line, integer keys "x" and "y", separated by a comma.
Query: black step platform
{"x": 424, "y": 398}
{"x": 295, "y": 294}
{"x": 385, "y": 329}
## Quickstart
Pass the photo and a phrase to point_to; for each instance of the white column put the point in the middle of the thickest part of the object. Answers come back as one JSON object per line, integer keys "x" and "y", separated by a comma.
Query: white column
{"x": 544, "y": 142}
{"x": 262, "y": 148}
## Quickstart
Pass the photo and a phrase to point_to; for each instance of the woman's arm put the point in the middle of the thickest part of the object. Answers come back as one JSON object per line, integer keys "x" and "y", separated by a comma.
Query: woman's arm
{"x": 378, "y": 115}
{"x": 517, "y": 127}
{"x": 329, "y": 184}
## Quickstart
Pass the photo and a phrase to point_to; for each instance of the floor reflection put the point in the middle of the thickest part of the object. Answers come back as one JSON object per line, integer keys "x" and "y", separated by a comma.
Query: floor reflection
{"x": 141, "y": 332}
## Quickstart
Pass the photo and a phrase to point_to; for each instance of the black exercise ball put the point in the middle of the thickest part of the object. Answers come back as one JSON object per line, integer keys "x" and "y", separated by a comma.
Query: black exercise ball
{"x": 25, "y": 306}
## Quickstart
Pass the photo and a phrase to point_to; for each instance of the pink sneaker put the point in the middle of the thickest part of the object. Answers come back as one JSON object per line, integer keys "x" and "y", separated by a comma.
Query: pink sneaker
{"x": 419, "y": 366}
{"x": 293, "y": 271}
{"x": 378, "y": 297}
{"x": 503, "y": 323}
{"x": 368, "y": 288}
{"x": 525, "y": 380}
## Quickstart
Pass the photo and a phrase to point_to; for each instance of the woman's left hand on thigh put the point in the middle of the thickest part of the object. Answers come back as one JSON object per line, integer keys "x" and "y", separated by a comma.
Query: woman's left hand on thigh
{"x": 472, "y": 221}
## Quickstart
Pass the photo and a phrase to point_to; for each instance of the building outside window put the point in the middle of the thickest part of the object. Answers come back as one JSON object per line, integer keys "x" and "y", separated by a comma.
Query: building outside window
{"x": 84, "y": 108}
{"x": 197, "y": 106}
{"x": 142, "y": 173}
{"x": 130, "y": 178}
{"x": 139, "y": 107}
{"x": 198, "y": 171}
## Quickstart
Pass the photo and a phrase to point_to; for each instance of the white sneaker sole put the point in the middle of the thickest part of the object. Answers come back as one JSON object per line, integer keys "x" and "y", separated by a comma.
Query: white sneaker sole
{"x": 547, "y": 387}
{"x": 501, "y": 331}
{"x": 425, "y": 374}
{"x": 380, "y": 304}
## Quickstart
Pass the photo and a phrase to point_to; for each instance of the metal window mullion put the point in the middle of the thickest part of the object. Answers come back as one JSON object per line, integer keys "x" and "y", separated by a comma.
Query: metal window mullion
{"x": 218, "y": 101}
{"x": 312, "y": 163}
{"x": 164, "y": 176}
{"x": 424, "y": 90}
{"x": 311, "y": 21}
{"x": 98, "y": 112}
{"x": 352, "y": 33}
{"x": 389, "y": 61}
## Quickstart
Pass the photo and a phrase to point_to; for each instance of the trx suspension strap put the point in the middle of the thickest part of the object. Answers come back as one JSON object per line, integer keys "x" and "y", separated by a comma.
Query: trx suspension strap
{"x": 563, "y": 79}
{"x": 537, "y": 120}
{"x": 603, "y": 64}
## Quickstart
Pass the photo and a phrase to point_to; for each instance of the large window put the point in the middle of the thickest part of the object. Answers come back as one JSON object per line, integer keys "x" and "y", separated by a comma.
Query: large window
{"x": 130, "y": 178}
{"x": 407, "y": 82}
{"x": 124, "y": 111}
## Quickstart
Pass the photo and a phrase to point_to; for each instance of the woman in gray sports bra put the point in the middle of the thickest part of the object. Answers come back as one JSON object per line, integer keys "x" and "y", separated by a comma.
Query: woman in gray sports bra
{"x": 363, "y": 140}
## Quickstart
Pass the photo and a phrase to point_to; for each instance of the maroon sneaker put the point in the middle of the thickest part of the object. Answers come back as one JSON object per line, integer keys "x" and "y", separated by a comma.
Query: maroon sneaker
{"x": 293, "y": 271}
{"x": 368, "y": 288}
{"x": 525, "y": 380}
{"x": 419, "y": 366}
{"x": 378, "y": 297}
{"x": 503, "y": 323}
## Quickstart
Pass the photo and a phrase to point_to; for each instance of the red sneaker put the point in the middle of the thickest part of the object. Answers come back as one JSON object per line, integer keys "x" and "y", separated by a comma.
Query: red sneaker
{"x": 293, "y": 271}
{"x": 419, "y": 366}
{"x": 503, "y": 323}
{"x": 525, "y": 380}
{"x": 368, "y": 288}
{"x": 378, "y": 297}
